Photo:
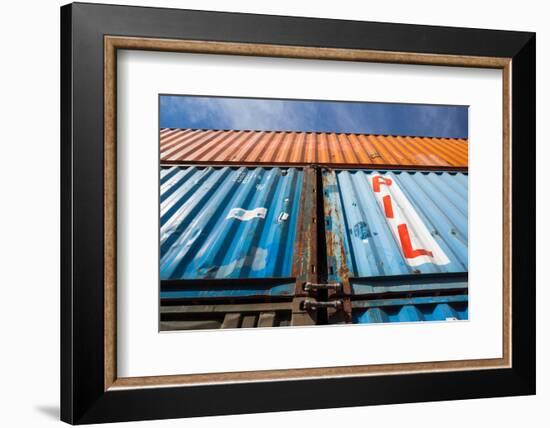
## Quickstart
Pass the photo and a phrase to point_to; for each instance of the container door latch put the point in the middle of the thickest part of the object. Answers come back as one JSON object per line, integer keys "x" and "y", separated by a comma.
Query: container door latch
{"x": 311, "y": 286}
{"x": 313, "y": 305}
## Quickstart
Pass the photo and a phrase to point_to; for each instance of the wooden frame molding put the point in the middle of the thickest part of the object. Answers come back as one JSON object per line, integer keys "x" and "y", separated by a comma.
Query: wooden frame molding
{"x": 113, "y": 43}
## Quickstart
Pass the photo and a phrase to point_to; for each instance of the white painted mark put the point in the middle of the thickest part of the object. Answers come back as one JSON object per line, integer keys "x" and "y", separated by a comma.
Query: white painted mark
{"x": 245, "y": 215}
{"x": 417, "y": 244}
{"x": 283, "y": 216}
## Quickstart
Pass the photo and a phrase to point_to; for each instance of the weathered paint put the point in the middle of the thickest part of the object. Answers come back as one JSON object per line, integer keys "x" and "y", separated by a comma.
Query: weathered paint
{"x": 305, "y": 257}
{"x": 363, "y": 238}
{"x": 270, "y": 147}
{"x": 201, "y": 289}
{"x": 228, "y": 222}
{"x": 409, "y": 284}
{"x": 434, "y": 308}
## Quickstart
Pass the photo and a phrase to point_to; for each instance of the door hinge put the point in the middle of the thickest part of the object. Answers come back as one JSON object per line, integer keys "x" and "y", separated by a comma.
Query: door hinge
{"x": 313, "y": 305}
{"x": 311, "y": 286}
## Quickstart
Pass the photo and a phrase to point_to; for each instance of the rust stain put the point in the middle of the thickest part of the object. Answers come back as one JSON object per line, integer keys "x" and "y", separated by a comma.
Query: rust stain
{"x": 305, "y": 249}
{"x": 336, "y": 254}
{"x": 285, "y": 147}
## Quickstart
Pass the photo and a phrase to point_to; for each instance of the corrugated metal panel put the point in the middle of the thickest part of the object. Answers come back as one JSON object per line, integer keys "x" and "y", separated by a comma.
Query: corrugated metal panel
{"x": 382, "y": 223}
{"x": 228, "y": 222}
{"x": 437, "y": 308}
{"x": 256, "y": 147}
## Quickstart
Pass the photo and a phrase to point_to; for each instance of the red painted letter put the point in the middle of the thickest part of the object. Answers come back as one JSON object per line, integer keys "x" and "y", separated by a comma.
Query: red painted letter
{"x": 378, "y": 180}
{"x": 406, "y": 244}
{"x": 388, "y": 208}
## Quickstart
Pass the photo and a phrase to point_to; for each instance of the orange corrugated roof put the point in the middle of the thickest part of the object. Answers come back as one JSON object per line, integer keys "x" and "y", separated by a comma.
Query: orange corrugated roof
{"x": 323, "y": 148}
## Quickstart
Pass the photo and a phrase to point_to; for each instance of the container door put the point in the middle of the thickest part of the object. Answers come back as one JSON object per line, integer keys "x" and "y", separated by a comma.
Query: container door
{"x": 236, "y": 246}
{"x": 397, "y": 241}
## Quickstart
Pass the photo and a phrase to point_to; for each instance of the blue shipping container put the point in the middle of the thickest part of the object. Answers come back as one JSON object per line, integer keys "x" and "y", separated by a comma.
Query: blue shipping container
{"x": 228, "y": 222}
{"x": 401, "y": 239}
{"x": 365, "y": 242}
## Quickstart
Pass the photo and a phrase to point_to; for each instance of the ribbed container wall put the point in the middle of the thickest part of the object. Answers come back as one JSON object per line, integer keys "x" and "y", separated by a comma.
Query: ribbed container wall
{"x": 440, "y": 308}
{"x": 271, "y": 147}
{"x": 228, "y": 222}
{"x": 431, "y": 207}
{"x": 395, "y": 222}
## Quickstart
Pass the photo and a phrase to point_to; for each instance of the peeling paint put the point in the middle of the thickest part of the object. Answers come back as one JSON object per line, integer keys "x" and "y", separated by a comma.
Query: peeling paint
{"x": 355, "y": 212}
{"x": 224, "y": 227}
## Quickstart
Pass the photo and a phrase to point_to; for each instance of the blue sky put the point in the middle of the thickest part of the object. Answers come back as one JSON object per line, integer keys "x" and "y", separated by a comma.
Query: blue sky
{"x": 317, "y": 116}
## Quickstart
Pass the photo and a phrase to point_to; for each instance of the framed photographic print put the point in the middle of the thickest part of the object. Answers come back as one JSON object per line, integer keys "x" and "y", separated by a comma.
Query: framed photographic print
{"x": 265, "y": 213}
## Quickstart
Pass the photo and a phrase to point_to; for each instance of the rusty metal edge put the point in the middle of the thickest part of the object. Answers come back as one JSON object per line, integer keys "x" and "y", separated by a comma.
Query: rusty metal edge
{"x": 371, "y": 167}
{"x": 305, "y": 249}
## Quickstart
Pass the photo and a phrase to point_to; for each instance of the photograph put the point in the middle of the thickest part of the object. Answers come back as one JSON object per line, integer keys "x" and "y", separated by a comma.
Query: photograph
{"x": 292, "y": 212}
